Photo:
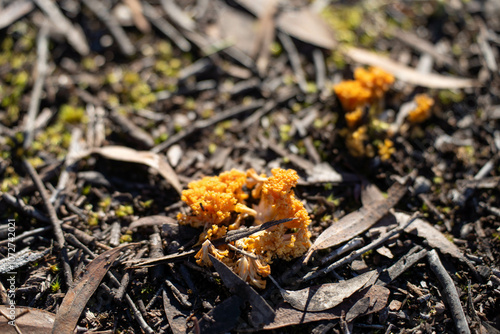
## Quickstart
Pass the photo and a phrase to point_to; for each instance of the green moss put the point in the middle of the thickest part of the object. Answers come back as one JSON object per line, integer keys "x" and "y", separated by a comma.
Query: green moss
{"x": 71, "y": 114}
{"x": 447, "y": 96}
{"x": 276, "y": 49}
{"x": 124, "y": 210}
{"x": 125, "y": 238}
{"x": 146, "y": 204}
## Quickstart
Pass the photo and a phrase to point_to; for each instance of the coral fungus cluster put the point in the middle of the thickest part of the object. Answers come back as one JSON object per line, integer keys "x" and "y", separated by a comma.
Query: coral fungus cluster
{"x": 366, "y": 135}
{"x": 423, "y": 109}
{"x": 219, "y": 204}
{"x": 368, "y": 86}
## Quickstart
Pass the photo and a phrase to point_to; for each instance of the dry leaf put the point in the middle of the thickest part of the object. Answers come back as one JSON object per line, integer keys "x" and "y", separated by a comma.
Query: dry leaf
{"x": 325, "y": 296}
{"x": 76, "y": 298}
{"x": 262, "y": 313}
{"x": 357, "y": 222}
{"x": 176, "y": 316}
{"x": 223, "y": 318}
{"x": 286, "y": 315}
{"x": 408, "y": 74}
{"x": 434, "y": 238}
{"x": 153, "y": 160}
{"x": 28, "y": 320}
{"x": 300, "y": 23}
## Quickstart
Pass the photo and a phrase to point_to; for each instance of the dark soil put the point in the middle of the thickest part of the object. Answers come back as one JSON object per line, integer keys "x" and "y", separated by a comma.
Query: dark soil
{"x": 205, "y": 102}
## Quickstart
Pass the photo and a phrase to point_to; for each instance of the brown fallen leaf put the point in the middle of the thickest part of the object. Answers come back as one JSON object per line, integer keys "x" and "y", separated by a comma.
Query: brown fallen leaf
{"x": 436, "y": 239}
{"x": 176, "y": 316}
{"x": 153, "y": 160}
{"x": 262, "y": 313}
{"x": 325, "y": 296}
{"x": 408, "y": 74}
{"x": 358, "y": 221}
{"x": 76, "y": 298}
{"x": 222, "y": 318}
{"x": 300, "y": 23}
{"x": 28, "y": 320}
{"x": 286, "y": 315}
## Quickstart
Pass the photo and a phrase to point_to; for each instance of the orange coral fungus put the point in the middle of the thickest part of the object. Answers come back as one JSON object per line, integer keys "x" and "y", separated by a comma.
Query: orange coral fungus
{"x": 212, "y": 199}
{"x": 354, "y": 118}
{"x": 423, "y": 109}
{"x": 218, "y": 204}
{"x": 369, "y": 85}
{"x": 386, "y": 149}
{"x": 352, "y": 94}
{"x": 356, "y": 143}
{"x": 375, "y": 79}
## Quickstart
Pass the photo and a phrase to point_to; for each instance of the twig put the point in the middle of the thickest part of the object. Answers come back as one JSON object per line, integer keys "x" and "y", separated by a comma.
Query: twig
{"x": 450, "y": 292}
{"x": 202, "y": 124}
{"x": 14, "y": 11}
{"x": 74, "y": 147}
{"x": 357, "y": 253}
{"x": 25, "y": 209}
{"x": 114, "y": 27}
{"x": 74, "y": 36}
{"x": 165, "y": 27}
{"x": 319, "y": 65}
{"x": 176, "y": 14}
{"x": 56, "y": 223}
{"x": 293, "y": 55}
{"x": 350, "y": 245}
{"x": 181, "y": 298}
{"x": 138, "y": 315}
{"x": 126, "y": 278}
{"x": 435, "y": 210}
{"x": 131, "y": 131}
{"x": 42, "y": 56}
{"x": 413, "y": 256}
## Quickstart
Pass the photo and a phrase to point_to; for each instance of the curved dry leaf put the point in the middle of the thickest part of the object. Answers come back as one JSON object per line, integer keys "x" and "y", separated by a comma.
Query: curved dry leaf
{"x": 434, "y": 238}
{"x": 300, "y": 23}
{"x": 325, "y": 296}
{"x": 176, "y": 315}
{"x": 28, "y": 320}
{"x": 286, "y": 315}
{"x": 358, "y": 221}
{"x": 408, "y": 74}
{"x": 153, "y": 160}
{"x": 76, "y": 298}
{"x": 262, "y": 313}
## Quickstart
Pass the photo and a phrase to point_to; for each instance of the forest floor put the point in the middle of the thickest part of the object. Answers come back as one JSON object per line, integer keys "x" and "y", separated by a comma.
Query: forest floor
{"x": 109, "y": 109}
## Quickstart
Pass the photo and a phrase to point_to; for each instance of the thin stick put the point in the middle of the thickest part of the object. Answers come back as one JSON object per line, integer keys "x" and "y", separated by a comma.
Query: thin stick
{"x": 114, "y": 27}
{"x": 56, "y": 223}
{"x": 449, "y": 292}
{"x": 41, "y": 65}
{"x": 74, "y": 36}
{"x": 169, "y": 30}
{"x": 293, "y": 55}
{"x": 357, "y": 253}
{"x": 202, "y": 124}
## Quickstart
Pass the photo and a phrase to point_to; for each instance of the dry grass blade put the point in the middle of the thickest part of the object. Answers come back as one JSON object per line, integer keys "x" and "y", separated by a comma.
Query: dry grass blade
{"x": 408, "y": 74}
{"x": 357, "y": 222}
{"x": 325, "y": 296}
{"x": 153, "y": 160}
{"x": 27, "y": 320}
{"x": 75, "y": 299}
